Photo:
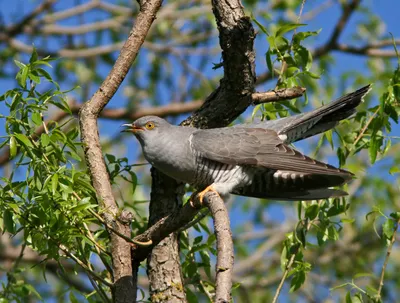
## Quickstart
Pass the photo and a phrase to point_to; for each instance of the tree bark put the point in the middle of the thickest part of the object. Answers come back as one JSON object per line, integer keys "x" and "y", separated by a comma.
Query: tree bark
{"x": 163, "y": 264}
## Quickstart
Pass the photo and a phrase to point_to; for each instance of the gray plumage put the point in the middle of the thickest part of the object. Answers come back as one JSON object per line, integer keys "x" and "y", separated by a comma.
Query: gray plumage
{"x": 252, "y": 160}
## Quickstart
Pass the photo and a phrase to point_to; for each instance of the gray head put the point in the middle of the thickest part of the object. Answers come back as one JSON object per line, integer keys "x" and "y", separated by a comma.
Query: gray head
{"x": 147, "y": 128}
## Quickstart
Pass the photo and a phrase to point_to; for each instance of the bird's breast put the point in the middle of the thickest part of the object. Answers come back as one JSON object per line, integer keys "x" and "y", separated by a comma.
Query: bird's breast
{"x": 172, "y": 159}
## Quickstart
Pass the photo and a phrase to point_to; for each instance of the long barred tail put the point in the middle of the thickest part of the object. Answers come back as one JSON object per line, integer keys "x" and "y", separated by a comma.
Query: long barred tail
{"x": 291, "y": 185}
{"x": 325, "y": 117}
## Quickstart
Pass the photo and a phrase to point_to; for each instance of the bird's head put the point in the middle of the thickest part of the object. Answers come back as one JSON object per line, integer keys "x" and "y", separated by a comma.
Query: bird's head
{"x": 146, "y": 128}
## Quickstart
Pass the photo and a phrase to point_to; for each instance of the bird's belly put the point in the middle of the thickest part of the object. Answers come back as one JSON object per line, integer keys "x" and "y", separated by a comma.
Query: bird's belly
{"x": 176, "y": 171}
{"x": 223, "y": 177}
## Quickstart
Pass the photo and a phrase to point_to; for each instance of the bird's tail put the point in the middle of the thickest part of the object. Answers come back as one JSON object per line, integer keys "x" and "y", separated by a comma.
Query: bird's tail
{"x": 291, "y": 185}
{"x": 325, "y": 117}
{"x": 305, "y": 195}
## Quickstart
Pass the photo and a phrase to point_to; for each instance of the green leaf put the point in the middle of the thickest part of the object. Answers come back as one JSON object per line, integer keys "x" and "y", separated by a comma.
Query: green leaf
{"x": 30, "y": 289}
{"x": 44, "y": 73}
{"x": 81, "y": 206}
{"x": 24, "y": 140}
{"x": 371, "y": 291}
{"x": 291, "y": 71}
{"x": 394, "y": 170}
{"x": 363, "y": 275}
{"x": 298, "y": 37}
{"x": 388, "y": 228}
{"x": 37, "y": 118}
{"x": 348, "y": 220}
{"x": 19, "y": 64}
{"x": 34, "y": 56}
{"x": 190, "y": 296}
{"x": 286, "y": 28}
{"x": 13, "y": 147}
{"x": 283, "y": 258}
{"x": 8, "y": 219}
{"x": 348, "y": 297}
{"x": 395, "y": 215}
{"x": 262, "y": 27}
{"x": 72, "y": 297}
{"x": 34, "y": 77}
{"x": 328, "y": 135}
{"x": 336, "y": 209}
{"x": 373, "y": 149}
{"x": 44, "y": 139}
{"x": 303, "y": 57}
{"x": 341, "y": 156}
{"x": 23, "y": 76}
{"x": 312, "y": 211}
{"x": 297, "y": 281}
{"x": 268, "y": 59}
{"x": 333, "y": 233}
{"x": 54, "y": 184}
{"x": 312, "y": 75}
{"x": 110, "y": 158}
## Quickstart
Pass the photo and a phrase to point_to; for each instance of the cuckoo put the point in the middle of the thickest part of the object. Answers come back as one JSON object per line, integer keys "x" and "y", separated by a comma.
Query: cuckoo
{"x": 253, "y": 160}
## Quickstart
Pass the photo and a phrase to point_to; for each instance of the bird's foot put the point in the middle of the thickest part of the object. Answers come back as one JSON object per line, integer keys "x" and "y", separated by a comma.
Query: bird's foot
{"x": 202, "y": 194}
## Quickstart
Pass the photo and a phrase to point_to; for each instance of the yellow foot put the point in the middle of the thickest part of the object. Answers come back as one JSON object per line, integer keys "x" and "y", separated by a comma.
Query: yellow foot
{"x": 203, "y": 193}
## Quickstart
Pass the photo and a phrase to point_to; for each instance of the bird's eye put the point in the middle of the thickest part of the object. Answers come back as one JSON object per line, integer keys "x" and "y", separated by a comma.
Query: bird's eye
{"x": 149, "y": 125}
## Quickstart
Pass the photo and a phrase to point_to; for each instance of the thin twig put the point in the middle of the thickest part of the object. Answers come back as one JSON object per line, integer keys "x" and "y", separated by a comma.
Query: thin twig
{"x": 285, "y": 273}
{"x": 385, "y": 263}
{"x": 84, "y": 266}
{"x": 196, "y": 220}
{"x": 140, "y": 243}
{"x": 366, "y": 126}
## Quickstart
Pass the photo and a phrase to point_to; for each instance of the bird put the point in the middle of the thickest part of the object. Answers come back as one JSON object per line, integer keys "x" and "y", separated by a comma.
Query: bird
{"x": 253, "y": 160}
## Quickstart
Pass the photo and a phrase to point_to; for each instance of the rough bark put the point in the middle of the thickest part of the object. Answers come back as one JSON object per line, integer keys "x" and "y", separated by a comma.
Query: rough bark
{"x": 163, "y": 264}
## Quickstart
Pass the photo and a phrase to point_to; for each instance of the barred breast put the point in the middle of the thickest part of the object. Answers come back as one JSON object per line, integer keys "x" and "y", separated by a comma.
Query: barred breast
{"x": 224, "y": 177}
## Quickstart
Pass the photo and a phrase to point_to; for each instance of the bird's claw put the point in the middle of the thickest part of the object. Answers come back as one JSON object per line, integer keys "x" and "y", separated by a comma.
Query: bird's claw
{"x": 201, "y": 196}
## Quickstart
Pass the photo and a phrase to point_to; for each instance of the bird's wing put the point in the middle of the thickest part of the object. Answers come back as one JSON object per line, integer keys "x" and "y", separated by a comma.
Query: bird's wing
{"x": 256, "y": 147}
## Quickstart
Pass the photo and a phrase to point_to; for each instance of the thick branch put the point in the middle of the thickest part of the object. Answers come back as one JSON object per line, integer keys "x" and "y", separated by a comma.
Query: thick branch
{"x": 236, "y": 36}
{"x": 123, "y": 275}
{"x": 225, "y": 257}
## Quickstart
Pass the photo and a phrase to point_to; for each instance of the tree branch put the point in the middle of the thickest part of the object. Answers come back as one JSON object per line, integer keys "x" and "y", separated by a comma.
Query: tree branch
{"x": 278, "y": 95}
{"x": 225, "y": 256}
{"x": 123, "y": 272}
{"x": 367, "y": 50}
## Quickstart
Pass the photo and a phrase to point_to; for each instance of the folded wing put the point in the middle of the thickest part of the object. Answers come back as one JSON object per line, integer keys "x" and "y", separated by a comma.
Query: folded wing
{"x": 258, "y": 147}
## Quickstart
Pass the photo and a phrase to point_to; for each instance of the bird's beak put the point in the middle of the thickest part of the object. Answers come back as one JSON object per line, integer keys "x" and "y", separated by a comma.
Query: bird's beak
{"x": 131, "y": 128}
